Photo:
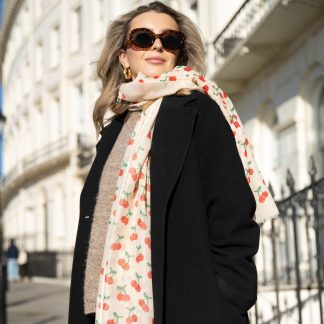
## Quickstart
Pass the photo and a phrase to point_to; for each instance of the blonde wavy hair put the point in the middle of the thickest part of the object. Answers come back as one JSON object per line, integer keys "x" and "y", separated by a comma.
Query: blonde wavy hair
{"x": 110, "y": 70}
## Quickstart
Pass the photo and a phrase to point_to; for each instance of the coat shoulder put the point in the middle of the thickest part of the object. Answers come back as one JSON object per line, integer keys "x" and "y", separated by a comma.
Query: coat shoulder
{"x": 210, "y": 115}
{"x": 195, "y": 100}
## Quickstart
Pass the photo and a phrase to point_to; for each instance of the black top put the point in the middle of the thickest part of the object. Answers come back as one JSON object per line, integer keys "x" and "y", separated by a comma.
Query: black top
{"x": 12, "y": 252}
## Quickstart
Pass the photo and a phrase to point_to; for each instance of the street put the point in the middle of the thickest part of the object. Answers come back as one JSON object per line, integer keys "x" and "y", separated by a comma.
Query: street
{"x": 37, "y": 303}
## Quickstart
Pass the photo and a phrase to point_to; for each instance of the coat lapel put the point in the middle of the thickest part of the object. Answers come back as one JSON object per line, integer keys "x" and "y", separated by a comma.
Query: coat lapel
{"x": 171, "y": 139}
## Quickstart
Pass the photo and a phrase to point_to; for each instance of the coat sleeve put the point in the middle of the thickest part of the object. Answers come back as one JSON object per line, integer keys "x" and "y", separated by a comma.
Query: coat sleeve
{"x": 233, "y": 235}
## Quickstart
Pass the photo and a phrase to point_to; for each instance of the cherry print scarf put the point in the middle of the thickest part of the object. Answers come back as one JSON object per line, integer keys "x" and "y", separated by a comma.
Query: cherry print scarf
{"x": 125, "y": 293}
{"x": 125, "y": 285}
{"x": 145, "y": 88}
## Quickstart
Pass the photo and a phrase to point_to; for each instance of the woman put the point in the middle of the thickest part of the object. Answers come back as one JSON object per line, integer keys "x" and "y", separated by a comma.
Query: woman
{"x": 166, "y": 231}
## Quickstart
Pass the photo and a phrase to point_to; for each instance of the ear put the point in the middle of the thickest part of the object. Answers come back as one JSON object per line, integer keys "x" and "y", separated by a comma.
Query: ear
{"x": 123, "y": 59}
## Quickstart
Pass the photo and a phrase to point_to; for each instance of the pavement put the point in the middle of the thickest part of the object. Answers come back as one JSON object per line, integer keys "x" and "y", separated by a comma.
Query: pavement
{"x": 40, "y": 301}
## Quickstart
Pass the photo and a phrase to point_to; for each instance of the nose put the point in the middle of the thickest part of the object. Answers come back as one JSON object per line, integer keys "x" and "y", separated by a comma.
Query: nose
{"x": 157, "y": 45}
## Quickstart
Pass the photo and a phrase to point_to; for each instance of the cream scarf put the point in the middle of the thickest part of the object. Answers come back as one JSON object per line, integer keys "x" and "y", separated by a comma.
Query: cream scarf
{"x": 125, "y": 286}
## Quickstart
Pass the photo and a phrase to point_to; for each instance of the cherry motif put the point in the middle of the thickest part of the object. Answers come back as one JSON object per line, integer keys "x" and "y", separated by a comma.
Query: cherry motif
{"x": 124, "y": 219}
{"x": 109, "y": 279}
{"x": 124, "y": 203}
{"x": 147, "y": 241}
{"x": 149, "y": 274}
{"x": 144, "y": 304}
{"x": 141, "y": 224}
{"x": 135, "y": 283}
{"x": 140, "y": 256}
{"x": 117, "y": 244}
{"x": 172, "y": 78}
{"x": 206, "y": 88}
{"x": 133, "y": 173}
{"x": 122, "y": 295}
{"x": 133, "y": 236}
{"x": 201, "y": 78}
{"x": 131, "y": 317}
{"x": 237, "y": 124}
{"x": 123, "y": 263}
{"x": 263, "y": 196}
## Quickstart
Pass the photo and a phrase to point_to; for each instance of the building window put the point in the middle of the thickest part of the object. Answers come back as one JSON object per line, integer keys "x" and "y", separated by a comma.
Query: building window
{"x": 39, "y": 61}
{"x": 78, "y": 105}
{"x": 55, "y": 45}
{"x": 97, "y": 20}
{"x": 265, "y": 145}
{"x": 54, "y": 119}
{"x": 76, "y": 29}
{"x": 321, "y": 118}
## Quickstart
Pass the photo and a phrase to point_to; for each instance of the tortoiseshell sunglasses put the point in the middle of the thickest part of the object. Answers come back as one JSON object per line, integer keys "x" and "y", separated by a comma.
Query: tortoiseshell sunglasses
{"x": 142, "y": 39}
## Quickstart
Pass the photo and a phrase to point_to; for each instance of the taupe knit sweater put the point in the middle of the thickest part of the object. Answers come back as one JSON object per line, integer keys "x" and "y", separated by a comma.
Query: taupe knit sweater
{"x": 102, "y": 210}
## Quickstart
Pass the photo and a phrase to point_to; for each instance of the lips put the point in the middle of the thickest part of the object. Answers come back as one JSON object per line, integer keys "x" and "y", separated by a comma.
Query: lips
{"x": 155, "y": 60}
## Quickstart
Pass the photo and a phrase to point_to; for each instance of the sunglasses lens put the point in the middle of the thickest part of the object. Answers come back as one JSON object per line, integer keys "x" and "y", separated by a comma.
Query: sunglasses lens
{"x": 143, "y": 39}
{"x": 171, "y": 42}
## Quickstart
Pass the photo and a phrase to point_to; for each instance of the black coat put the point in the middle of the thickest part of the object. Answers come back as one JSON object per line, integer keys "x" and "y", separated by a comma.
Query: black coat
{"x": 203, "y": 237}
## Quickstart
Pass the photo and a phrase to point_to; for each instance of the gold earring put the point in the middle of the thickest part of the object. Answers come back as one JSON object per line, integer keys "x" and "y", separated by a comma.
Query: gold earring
{"x": 127, "y": 73}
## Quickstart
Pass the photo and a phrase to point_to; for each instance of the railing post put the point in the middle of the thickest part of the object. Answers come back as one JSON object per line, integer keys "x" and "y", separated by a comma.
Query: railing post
{"x": 291, "y": 186}
{"x": 274, "y": 263}
{"x": 275, "y": 271}
{"x": 312, "y": 172}
{"x": 287, "y": 236}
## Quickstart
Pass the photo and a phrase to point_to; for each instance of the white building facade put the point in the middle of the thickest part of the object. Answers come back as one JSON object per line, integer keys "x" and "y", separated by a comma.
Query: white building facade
{"x": 270, "y": 59}
{"x": 268, "y": 55}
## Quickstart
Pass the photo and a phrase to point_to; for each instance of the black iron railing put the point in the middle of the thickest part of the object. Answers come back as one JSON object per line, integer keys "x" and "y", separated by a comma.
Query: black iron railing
{"x": 296, "y": 255}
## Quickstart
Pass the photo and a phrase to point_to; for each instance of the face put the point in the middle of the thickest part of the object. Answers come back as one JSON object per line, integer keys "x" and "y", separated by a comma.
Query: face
{"x": 156, "y": 59}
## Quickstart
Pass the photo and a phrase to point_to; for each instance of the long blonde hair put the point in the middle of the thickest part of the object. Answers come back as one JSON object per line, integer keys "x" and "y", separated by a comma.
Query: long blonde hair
{"x": 110, "y": 70}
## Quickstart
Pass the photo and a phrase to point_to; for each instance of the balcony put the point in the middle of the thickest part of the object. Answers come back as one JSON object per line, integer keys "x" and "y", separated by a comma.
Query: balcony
{"x": 75, "y": 149}
{"x": 257, "y": 34}
{"x": 35, "y": 165}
